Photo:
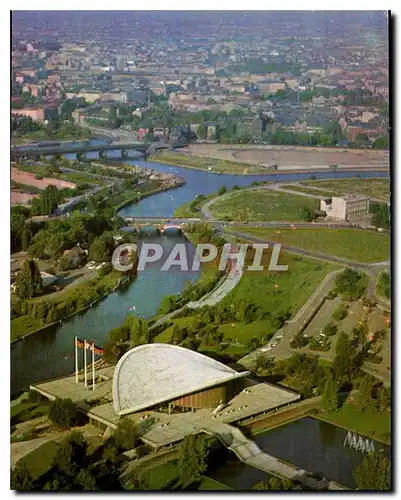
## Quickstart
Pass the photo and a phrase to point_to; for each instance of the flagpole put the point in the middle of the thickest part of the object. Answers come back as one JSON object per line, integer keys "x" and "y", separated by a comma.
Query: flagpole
{"x": 93, "y": 366}
{"x": 85, "y": 373}
{"x": 76, "y": 360}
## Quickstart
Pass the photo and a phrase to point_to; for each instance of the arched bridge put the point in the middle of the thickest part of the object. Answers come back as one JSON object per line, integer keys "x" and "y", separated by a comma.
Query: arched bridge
{"x": 36, "y": 151}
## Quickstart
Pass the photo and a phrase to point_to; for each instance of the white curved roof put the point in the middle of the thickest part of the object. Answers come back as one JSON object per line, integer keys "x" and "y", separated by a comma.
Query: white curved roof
{"x": 153, "y": 373}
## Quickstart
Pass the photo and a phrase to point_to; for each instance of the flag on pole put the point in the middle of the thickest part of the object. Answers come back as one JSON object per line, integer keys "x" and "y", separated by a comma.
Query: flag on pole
{"x": 93, "y": 366}
{"x": 98, "y": 350}
{"x": 76, "y": 360}
{"x": 79, "y": 343}
{"x": 93, "y": 347}
{"x": 85, "y": 367}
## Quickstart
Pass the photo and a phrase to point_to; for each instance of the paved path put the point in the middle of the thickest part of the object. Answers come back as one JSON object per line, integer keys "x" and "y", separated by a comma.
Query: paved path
{"x": 230, "y": 282}
{"x": 223, "y": 288}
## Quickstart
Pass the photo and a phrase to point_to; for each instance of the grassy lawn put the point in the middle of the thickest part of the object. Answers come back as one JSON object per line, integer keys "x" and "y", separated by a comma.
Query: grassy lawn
{"x": 27, "y": 410}
{"x": 308, "y": 190}
{"x": 24, "y": 325}
{"x": 43, "y": 135}
{"x": 286, "y": 290}
{"x": 352, "y": 244}
{"x": 39, "y": 460}
{"x": 209, "y": 484}
{"x": 203, "y": 163}
{"x": 133, "y": 195}
{"x": 376, "y": 188}
{"x": 374, "y": 425}
{"x": 270, "y": 291}
{"x": 159, "y": 476}
{"x": 262, "y": 205}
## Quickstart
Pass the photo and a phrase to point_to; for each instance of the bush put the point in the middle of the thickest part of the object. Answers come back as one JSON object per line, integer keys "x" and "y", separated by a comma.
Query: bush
{"x": 330, "y": 329}
{"x": 299, "y": 341}
{"x": 64, "y": 413}
{"x": 126, "y": 434}
{"x": 351, "y": 284}
{"x": 113, "y": 352}
{"x": 340, "y": 313}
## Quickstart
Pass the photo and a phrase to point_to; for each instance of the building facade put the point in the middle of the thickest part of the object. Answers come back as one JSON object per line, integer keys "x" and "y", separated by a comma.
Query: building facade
{"x": 346, "y": 208}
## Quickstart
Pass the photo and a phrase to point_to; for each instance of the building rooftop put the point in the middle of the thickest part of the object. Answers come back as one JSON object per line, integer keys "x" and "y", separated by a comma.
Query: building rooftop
{"x": 354, "y": 197}
{"x": 155, "y": 373}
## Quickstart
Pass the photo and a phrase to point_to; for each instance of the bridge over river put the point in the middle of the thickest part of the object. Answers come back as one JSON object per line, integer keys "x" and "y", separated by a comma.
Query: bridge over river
{"x": 37, "y": 151}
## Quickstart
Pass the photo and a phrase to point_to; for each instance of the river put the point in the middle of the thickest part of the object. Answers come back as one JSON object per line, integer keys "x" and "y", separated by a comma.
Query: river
{"x": 50, "y": 353}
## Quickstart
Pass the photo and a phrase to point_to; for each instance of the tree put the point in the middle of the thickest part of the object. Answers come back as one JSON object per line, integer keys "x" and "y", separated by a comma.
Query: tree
{"x": 21, "y": 480}
{"x": 362, "y": 140}
{"x": 47, "y": 202}
{"x": 340, "y": 313}
{"x": 265, "y": 364}
{"x": 101, "y": 248}
{"x": 139, "y": 329}
{"x": 308, "y": 215}
{"x": 334, "y": 131}
{"x": 221, "y": 190}
{"x": 346, "y": 360}
{"x": 63, "y": 412}
{"x": 201, "y": 131}
{"x": 29, "y": 282}
{"x": 373, "y": 473}
{"x": 126, "y": 434}
{"x": 381, "y": 142}
{"x": 381, "y": 215}
{"x": 330, "y": 329}
{"x": 350, "y": 284}
{"x": 71, "y": 454}
{"x": 86, "y": 480}
{"x": 194, "y": 457}
{"x": 384, "y": 285}
{"x": 276, "y": 484}
{"x": 330, "y": 396}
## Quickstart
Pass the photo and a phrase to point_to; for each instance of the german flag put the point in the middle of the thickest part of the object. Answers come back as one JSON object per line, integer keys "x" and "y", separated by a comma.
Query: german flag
{"x": 98, "y": 350}
{"x": 93, "y": 347}
{"x": 79, "y": 343}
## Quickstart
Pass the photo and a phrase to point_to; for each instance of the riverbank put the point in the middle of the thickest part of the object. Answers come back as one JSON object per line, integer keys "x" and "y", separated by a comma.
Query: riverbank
{"x": 226, "y": 166}
{"x": 138, "y": 197}
{"x": 23, "y": 322}
{"x": 42, "y": 135}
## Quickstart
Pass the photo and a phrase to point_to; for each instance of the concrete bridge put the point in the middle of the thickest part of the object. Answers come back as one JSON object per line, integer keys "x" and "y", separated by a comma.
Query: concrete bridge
{"x": 37, "y": 151}
{"x": 250, "y": 453}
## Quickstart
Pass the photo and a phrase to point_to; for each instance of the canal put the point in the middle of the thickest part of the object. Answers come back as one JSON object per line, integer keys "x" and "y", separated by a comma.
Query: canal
{"x": 50, "y": 353}
{"x": 308, "y": 443}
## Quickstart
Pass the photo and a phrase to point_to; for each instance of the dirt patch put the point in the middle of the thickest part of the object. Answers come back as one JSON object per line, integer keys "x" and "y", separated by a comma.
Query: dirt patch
{"x": 19, "y": 198}
{"x": 290, "y": 155}
{"x": 311, "y": 157}
{"x": 28, "y": 178}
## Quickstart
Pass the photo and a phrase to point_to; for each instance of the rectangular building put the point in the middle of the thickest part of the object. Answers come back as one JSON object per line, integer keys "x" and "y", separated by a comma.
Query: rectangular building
{"x": 347, "y": 207}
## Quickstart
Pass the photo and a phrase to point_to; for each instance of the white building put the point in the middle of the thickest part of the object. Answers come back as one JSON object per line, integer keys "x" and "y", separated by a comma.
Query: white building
{"x": 346, "y": 208}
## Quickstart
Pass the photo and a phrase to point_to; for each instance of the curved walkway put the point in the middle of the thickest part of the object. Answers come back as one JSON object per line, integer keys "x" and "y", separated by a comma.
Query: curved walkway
{"x": 223, "y": 288}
